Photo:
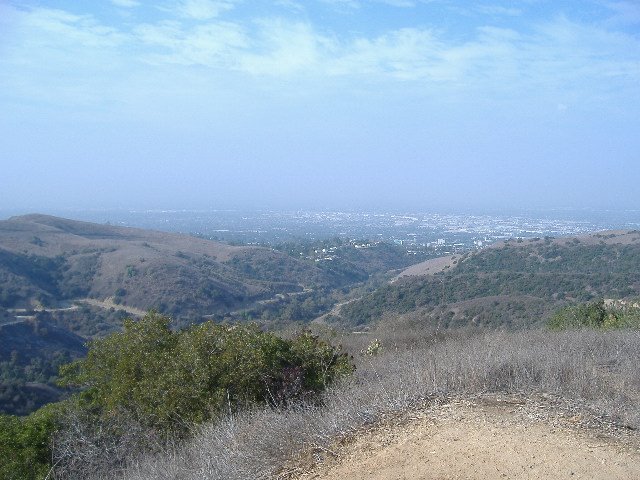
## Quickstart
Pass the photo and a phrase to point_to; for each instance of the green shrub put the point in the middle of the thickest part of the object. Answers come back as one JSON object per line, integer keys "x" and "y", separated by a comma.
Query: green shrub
{"x": 25, "y": 444}
{"x": 169, "y": 379}
{"x": 596, "y": 315}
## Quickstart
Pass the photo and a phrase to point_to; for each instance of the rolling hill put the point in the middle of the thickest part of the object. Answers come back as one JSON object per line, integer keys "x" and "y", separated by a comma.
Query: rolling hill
{"x": 62, "y": 277}
{"x": 46, "y": 260}
{"x": 512, "y": 283}
{"x": 64, "y": 281}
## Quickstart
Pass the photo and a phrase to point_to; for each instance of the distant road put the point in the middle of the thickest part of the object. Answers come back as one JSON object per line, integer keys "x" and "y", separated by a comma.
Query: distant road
{"x": 12, "y": 322}
{"x": 108, "y": 303}
{"x": 42, "y": 309}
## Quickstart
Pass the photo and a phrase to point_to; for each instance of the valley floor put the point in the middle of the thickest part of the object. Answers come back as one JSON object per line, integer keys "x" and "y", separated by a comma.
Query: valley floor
{"x": 488, "y": 437}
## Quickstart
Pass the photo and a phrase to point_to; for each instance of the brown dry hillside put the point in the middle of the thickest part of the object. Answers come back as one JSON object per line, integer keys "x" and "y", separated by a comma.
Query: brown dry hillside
{"x": 45, "y": 259}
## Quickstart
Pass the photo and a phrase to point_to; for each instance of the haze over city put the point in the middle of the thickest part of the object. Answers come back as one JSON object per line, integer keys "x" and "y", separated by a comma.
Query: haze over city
{"x": 389, "y": 104}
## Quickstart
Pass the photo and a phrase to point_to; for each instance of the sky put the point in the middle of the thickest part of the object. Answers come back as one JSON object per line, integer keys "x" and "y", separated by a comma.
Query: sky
{"x": 323, "y": 104}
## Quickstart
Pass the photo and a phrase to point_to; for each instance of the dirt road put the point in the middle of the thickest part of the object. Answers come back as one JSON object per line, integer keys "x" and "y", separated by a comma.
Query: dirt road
{"x": 108, "y": 303}
{"x": 501, "y": 439}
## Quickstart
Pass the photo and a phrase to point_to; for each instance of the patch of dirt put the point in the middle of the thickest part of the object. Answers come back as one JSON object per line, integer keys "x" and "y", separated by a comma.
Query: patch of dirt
{"x": 506, "y": 437}
{"x": 429, "y": 267}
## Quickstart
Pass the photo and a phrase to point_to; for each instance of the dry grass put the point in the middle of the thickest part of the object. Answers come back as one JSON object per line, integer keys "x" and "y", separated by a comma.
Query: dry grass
{"x": 594, "y": 369}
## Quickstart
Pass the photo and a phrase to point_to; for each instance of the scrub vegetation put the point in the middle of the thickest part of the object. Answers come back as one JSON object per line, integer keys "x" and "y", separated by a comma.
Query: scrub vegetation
{"x": 598, "y": 315}
{"x": 228, "y": 399}
{"x": 593, "y": 370}
{"x": 149, "y": 385}
{"x": 550, "y": 273}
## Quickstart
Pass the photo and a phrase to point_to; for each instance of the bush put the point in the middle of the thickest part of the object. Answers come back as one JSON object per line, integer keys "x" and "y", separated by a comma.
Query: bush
{"x": 596, "y": 315}
{"x": 169, "y": 380}
{"x": 25, "y": 444}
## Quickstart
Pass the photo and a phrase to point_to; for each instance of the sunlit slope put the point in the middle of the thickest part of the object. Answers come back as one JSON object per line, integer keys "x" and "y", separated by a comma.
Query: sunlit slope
{"x": 45, "y": 260}
{"x": 517, "y": 282}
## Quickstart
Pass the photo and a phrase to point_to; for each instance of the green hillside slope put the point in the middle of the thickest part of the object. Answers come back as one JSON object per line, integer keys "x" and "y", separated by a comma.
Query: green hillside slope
{"x": 31, "y": 351}
{"x": 513, "y": 283}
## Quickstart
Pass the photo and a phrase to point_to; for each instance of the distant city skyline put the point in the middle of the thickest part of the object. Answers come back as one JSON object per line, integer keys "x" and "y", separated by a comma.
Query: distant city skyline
{"x": 327, "y": 104}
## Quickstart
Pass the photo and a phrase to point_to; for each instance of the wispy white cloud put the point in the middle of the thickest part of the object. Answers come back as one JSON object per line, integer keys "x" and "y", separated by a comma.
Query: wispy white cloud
{"x": 624, "y": 12}
{"x": 53, "y": 56}
{"x": 291, "y": 5}
{"x": 203, "y": 9}
{"x": 207, "y": 44}
{"x": 399, "y": 3}
{"x": 498, "y": 10}
{"x": 556, "y": 54}
{"x": 343, "y": 4}
{"x": 126, "y": 3}
{"x": 63, "y": 27}
{"x": 564, "y": 49}
{"x": 407, "y": 53}
{"x": 285, "y": 47}
{"x": 356, "y": 4}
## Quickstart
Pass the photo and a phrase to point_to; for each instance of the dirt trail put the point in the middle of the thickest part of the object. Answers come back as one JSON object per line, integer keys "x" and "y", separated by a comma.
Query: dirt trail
{"x": 503, "y": 439}
{"x": 108, "y": 303}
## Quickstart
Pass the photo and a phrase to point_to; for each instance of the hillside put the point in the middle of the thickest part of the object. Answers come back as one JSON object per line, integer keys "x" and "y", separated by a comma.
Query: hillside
{"x": 46, "y": 260}
{"x": 30, "y": 353}
{"x": 517, "y": 283}
{"x": 64, "y": 281}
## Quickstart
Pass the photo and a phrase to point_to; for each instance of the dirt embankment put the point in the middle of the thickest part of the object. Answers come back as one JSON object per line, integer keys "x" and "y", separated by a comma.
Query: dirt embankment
{"x": 497, "y": 437}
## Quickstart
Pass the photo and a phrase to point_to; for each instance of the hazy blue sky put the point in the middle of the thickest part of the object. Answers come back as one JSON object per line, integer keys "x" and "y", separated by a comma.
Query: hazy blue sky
{"x": 341, "y": 104}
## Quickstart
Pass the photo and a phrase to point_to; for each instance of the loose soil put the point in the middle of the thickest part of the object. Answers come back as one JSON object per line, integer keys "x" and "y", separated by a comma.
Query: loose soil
{"x": 487, "y": 438}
